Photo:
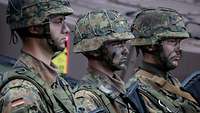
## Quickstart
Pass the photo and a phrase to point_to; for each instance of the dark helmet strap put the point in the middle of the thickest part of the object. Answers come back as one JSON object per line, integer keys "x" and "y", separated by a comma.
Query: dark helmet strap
{"x": 51, "y": 44}
{"x": 13, "y": 38}
{"x": 44, "y": 35}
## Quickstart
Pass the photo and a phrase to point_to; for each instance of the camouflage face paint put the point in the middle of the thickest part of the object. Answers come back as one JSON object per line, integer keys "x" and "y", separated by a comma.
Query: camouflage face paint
{"x": 115, "y": 54}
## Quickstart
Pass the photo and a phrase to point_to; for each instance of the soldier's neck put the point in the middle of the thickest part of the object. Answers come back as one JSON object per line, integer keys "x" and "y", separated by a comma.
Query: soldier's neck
{"x": 96, "y": 65}
{"x": 149, "y": 58}
{"x": 38, "y": 49}
{"x": 154, "y": 60}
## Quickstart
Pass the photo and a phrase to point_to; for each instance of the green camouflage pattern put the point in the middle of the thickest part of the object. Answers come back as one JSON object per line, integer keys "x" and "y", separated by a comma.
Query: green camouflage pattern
{"x": 156, "y": 99}
{"x": 99, "y": 26}
{"x": 19, "y": 95}
{"x": 34, "y": 12}
{"x": 153, "y": 25}
{"x": 166, "y": 102}
{"x": 100, "y": 91}
{"x": 22, "y": 96}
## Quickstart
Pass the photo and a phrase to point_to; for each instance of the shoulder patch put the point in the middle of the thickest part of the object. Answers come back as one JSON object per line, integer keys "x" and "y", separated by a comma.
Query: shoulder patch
{"x": 87, "y": 100}
{"x": 85, "y": 94}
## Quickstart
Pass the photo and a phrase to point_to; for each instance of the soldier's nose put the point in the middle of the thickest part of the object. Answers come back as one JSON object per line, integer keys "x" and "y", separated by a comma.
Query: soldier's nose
{"x": 177, "y": 47}
{"x": 125, "y": 51}
{"x": 65, "y": 29}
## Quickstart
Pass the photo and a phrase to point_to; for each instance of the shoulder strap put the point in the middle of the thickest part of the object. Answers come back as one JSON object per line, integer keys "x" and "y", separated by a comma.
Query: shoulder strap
{"x": 159, "y": 100}
{"x": 63, "y": 96}
{"x": 21, "y": 73}
{"x": 134, "y": 98}
{"x": 164, "y": 84}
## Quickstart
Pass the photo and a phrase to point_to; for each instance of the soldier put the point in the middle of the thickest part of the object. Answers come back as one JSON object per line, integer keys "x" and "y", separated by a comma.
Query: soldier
{"x": 101, "y": 37}
{"x": 158, "y": 34}
{"x": 34, "y": 85}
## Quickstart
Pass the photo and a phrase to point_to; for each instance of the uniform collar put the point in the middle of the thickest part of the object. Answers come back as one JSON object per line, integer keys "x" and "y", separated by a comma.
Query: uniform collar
{"x": 152, "y": 68}
{"x": 38, "y": 66}
{"x": 107, "y": 84}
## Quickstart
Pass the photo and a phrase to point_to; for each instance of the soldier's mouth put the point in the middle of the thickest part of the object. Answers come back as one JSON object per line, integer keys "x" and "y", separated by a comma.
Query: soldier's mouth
{"x": 123, "y": 60}
{"x": 176, "y": 58}
{"x": 63, "y": 40}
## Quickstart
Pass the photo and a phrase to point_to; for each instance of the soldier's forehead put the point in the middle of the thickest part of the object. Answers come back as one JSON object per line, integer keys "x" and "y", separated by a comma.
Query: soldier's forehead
{"x": 174, "y": 38}
{"x": 57, "y": 16}
{"x": 116, "y": 41}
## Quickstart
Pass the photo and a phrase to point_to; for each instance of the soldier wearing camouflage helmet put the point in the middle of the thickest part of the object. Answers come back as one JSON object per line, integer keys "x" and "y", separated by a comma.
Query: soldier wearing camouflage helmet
{"x": 34, "y": 85}
{"x": 158, "y": 34}
{"x": 101, "y": 37}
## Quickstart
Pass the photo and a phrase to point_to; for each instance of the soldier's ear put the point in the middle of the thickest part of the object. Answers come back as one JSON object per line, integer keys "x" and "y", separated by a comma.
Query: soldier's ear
{"x": 35, "y": 30}
{"x": 95, "y": 54}
{"x": 151, "y": 48}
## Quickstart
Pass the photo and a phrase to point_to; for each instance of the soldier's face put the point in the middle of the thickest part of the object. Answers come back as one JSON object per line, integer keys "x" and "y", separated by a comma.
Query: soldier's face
{"x": 58, "y": 31}
{"x": 115, "y": 54}
{"x": 170, "y": 53}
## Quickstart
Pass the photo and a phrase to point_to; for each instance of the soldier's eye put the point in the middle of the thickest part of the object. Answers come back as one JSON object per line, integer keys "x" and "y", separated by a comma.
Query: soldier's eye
{"x": 57, "y": 20}
{"x": 115, "y": 43}
{"x": 171, "y": 40}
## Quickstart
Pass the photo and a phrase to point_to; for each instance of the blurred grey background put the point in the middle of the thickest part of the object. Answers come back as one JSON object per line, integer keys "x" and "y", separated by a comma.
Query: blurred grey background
{"x": 78, "y": 64}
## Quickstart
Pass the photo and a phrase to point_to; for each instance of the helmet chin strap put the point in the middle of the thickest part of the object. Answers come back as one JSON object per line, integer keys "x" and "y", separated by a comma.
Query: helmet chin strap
{"x": 50, "y": 42}
{"x": 166, "y": 66}
{"x": 52, "y": 45}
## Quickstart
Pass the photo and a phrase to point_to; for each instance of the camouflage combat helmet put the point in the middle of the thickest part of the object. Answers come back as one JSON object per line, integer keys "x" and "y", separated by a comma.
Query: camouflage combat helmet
{"x": 96, "y": 27}
{"x": 153, "y": 25}
{"x": 25, "y": 13}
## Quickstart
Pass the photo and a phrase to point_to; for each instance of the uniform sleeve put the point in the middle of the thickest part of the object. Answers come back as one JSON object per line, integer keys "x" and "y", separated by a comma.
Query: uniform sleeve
{"x": 20, "y": 96}
{"x": 88, "y": 102}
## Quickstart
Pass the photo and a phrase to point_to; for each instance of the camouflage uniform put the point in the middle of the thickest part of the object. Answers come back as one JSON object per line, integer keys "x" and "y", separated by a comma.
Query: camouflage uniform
{"x": 33, "y": 86}
{"x": 160, "y": 91}
{"x": 100, "y": 92}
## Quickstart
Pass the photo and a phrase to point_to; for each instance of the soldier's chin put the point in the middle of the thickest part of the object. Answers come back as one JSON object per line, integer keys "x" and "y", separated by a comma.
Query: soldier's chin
{"x": 175, "y": 63}
{"x": 122, "y": 67}
{"x": 172, "y": 65}
{"x": 60, "y": 49}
